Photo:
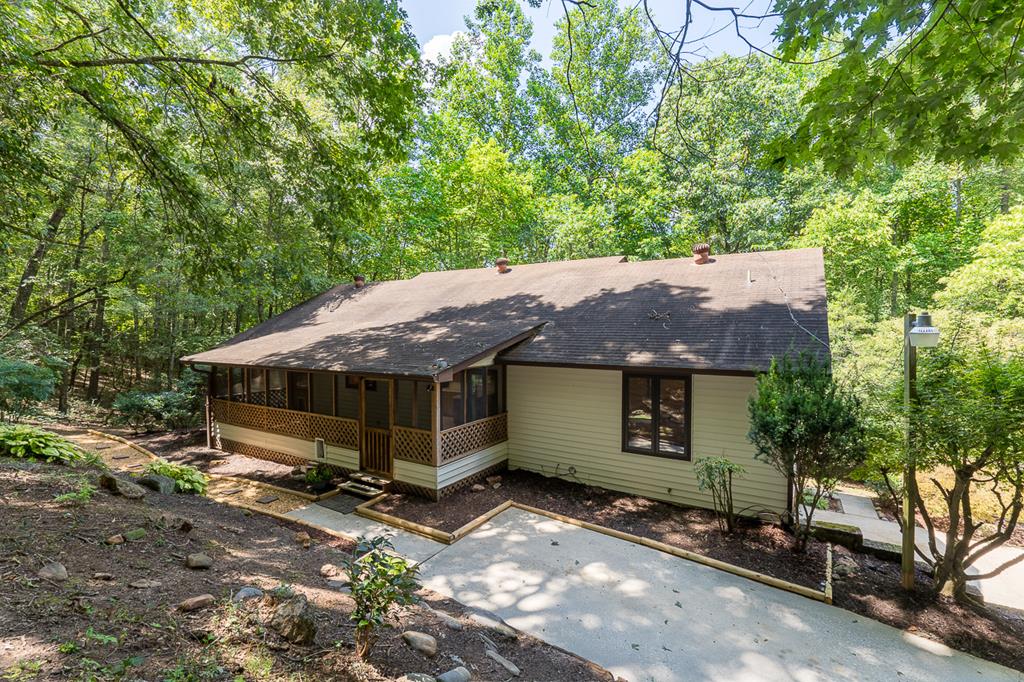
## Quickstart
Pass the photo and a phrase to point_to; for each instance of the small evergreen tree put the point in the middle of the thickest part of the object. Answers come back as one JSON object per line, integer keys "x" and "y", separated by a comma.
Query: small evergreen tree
{"x": 380, "y": 582}
{"x": 807, "y": 427}
{"x": 715, "y": 474}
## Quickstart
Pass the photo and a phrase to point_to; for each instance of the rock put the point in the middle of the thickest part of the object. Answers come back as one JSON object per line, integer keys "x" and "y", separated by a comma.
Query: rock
{"x": 198, "y": 560}
{"x": 447, "y": 619}
{"x": 493, "y": 479}
{"x": 459, "y": 674}
{"x": 145, "y": 584}
{"x": 494, "y": 624}
{"x": 53, "y": 571}
{"x": 417, "y": 677}
{"x": 170, "y": 521}
{"x": 161, "y": 484}
{"x": 302, "y": 538}
{"x": 102, "y": 576}
{"x": 503, "y": 662}
{"x": 478, "y": 487}
{"x": 340, "y": 585}
{"x": 135, "y": 534}
{"x": 421, "y": 642}
{"x": 496, "y": 486}
{"x": 330, "y": 571}
{"x": 195, "y": 603}
{"x": 119, "y": 486}
{"x": 247, "y": 593}
{"x": 293, "y": 620}
{"x": 115, "y": 540}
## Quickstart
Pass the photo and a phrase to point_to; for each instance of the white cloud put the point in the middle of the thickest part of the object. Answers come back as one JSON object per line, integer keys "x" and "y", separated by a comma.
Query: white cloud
{"x": 439, "y": 46}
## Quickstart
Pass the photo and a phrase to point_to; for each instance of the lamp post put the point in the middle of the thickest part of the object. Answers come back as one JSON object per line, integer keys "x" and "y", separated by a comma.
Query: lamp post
{"x": 918, "y": 332}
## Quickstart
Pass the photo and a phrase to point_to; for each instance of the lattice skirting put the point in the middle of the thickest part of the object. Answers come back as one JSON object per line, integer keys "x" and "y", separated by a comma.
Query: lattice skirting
{"x": 412, "y": 489}
{"x": 269, "y": 455}
{"x": 464, "y": 483}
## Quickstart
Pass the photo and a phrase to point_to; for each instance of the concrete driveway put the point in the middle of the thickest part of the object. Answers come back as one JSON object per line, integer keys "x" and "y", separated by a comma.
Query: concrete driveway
{"x": 646, "y": 615}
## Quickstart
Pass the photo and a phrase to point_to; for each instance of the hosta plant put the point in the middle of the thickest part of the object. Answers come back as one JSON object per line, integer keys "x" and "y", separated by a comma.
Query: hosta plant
{"x": 187, "y": 479}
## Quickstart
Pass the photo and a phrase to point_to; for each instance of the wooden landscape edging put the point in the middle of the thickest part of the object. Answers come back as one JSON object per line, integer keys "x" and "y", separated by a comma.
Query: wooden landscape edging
{"x": 450, "y": 538}
{"x": 125, "y": 441}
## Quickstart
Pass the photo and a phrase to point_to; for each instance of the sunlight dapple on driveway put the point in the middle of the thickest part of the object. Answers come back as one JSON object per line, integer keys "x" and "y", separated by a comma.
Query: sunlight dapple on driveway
{"x": 646, "y": 615}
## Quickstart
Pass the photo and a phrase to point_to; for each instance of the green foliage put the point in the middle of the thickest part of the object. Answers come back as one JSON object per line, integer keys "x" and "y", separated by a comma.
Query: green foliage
{"x": 83, "y": 493}
{"x": 29, "y": 442}
{"x": 906, "y": 79}
{"x": 807, "y": 427}
{"x": 715, "y": 474}
{"x": 380, "y": 581}
{"x": 143, "y": 411}
{"x": 319, "y": 473}
{"x": 187, "y": 479}
{"x": 22, "y": 385}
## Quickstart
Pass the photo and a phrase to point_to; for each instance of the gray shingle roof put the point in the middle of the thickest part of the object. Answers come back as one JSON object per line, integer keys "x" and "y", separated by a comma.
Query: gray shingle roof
{"x": 734, "y": 313}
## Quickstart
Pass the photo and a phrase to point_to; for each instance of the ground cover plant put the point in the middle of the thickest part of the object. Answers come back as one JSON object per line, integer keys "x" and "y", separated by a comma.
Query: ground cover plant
{"x": 187, "y": 479}
{"x": 29, "y": 442}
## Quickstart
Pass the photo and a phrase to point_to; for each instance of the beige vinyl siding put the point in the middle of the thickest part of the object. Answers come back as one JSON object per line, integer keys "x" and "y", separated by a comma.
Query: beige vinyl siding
{"x": 454, "y": 472}
{"x": 427, "y": 476}
{"x": 567, "y": 422}
{"x": 342, "y": 457}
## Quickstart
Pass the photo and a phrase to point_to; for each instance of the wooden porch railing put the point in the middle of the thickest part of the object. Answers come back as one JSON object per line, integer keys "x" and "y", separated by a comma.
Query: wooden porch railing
{"x": 471, "y": 437}
{"x": 337, "y": 431}
{"x": 376, "y": 453}
{"x": 413, "y": 445}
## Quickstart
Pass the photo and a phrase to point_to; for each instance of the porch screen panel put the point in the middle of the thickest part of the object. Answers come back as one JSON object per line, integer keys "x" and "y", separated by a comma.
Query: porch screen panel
{"x": 347, "y": 398}
{"x": 220, "y": 383}
{"x": 494, "y": 391}
{"x": 238, "y": 384}
{"x": 452, "y": 408}
{"x": 378, "y": 405}
{"x": 476, "y": 395}
{"x": 257, "y": 386}
{"x": 275, "y": 388}
{"x": 298, "y": 391}
{"x": 405, "y": 396}
{"x": 322, "y": 393}
{"x": 423, "y": 405}
{"x": 639, "y": 416}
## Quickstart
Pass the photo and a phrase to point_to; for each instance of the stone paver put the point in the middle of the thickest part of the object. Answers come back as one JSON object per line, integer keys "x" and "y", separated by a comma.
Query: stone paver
{"x": 649, "y": 616}
{"x": 414, "y": 547}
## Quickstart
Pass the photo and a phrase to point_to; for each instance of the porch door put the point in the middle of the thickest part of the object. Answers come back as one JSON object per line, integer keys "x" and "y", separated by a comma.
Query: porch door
{"x": 375, "y": 400}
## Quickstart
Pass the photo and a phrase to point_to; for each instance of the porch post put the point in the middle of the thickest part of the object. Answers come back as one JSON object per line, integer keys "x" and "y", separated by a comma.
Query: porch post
{"x": 435, "y": 423}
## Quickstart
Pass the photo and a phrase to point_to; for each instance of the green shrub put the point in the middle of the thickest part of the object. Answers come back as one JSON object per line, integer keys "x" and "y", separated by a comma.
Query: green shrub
{"x": 380, "y": 582}
{"x": 83, "y": 493}
{"x": 28, "y": 442}
{"x": 144, "y": 411}
{"x": 320, "y": 473}
{"x": 187, "y": 479}
{"x": 714, "y": 474}
{"x": 22, "y": 385}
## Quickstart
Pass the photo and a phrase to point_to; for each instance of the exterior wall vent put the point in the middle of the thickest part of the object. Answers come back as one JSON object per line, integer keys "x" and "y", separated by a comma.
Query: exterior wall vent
{"x": 321, "y": 448}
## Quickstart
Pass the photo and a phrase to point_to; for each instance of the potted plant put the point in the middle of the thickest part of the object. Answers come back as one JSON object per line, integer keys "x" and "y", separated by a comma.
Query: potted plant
{"x": 318, "y": 478}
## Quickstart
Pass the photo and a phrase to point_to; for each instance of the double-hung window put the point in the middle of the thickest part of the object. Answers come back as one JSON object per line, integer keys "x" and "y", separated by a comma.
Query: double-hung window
{"x": 656, "y": 415}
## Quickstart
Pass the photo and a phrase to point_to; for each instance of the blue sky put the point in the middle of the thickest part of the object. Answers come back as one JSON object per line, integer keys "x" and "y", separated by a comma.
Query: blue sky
{"x": 434, "y": 21}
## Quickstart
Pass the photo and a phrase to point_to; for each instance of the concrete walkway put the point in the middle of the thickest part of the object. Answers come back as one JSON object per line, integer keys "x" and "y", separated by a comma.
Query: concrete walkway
{"x": 414, "y": 547}
{"x": 646, "y": 615}
{"x": 1005, "y": 589}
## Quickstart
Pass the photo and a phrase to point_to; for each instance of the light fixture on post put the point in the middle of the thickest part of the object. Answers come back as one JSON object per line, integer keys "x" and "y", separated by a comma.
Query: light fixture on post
{"x": 918, "y": 332}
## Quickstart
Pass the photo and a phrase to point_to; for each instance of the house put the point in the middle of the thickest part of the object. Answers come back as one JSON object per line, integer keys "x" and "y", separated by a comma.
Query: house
{"x": 605, "y": 371}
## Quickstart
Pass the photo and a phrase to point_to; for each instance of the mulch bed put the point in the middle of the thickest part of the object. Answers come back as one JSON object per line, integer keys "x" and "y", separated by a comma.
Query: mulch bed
{"x": 92, "y": 628}
{"x": 189, "y": 447}
{"x": 757, "y": 546}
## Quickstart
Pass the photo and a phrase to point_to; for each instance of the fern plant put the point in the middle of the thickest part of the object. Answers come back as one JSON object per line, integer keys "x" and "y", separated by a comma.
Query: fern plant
{"x": 187, "y": 479}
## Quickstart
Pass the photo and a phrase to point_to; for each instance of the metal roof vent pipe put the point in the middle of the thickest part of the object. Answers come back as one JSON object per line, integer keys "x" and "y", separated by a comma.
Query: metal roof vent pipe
{"x": 701, "y": 253}
{"x": 359, "y": 281}
{"x": 502, "y": 264}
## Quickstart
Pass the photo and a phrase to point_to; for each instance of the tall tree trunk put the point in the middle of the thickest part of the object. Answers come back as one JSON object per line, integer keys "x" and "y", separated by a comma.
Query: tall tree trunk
{"x": 97, "y": 330}
{"x": 28, "y": 275}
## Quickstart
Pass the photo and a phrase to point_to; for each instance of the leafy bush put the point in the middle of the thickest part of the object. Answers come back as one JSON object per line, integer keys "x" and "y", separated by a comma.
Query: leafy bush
{"x": 379, "y": 582}
{"x": 320, "y": 473}
{"x": 187, "y": 479}
{"x": 715, "y": 474}
{"x": 142, "y": 411}
{"x": 28, "y": 442}
{"x": 808, "y": 428}
{"x": 22, "y": 384}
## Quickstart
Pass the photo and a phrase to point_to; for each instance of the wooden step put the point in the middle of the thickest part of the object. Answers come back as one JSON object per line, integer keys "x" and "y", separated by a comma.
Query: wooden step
{"x": 360, "y": 489}
{"x": 369, "y": 479}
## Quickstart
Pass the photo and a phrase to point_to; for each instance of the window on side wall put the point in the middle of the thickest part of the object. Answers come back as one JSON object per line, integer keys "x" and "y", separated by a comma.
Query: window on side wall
{"x": 656, "y": 415}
